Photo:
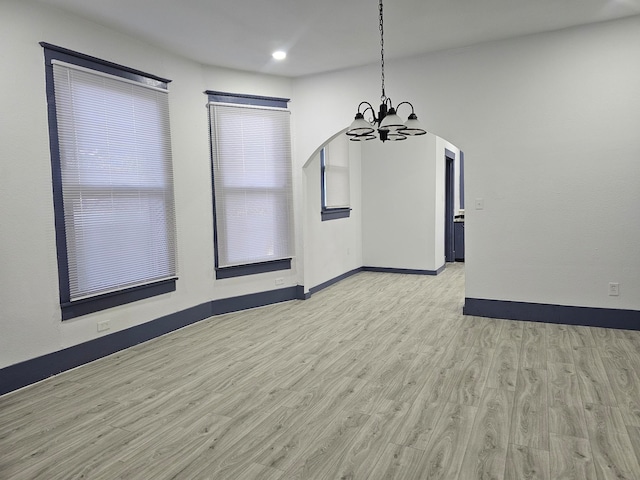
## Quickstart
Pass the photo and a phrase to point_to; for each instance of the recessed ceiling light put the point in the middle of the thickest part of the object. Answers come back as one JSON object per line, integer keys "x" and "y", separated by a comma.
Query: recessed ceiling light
{"x": 279, "y": 55}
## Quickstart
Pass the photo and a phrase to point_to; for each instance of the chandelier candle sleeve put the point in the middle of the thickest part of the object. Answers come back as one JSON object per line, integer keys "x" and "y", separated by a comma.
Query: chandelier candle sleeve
{"x": 387, "y": 121}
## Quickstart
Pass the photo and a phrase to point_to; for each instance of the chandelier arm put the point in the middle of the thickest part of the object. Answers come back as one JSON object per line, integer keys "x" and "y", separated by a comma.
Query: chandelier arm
{"x": 373, "y": 113}
{"x": 389, "y": 125}
{"x": 408, "y": 103}
{"x": 369, "y": 107}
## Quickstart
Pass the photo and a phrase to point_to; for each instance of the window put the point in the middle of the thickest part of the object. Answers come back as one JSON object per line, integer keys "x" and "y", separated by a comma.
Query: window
{"x": 251, "y": 165}
{"x": 334, "y": 174}
{"x": 112, "y": 181}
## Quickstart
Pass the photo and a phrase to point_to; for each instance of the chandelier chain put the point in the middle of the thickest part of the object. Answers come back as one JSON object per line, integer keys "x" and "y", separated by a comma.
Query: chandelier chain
{"x": 389, "y": 127}
{"x": 383, "y": 97}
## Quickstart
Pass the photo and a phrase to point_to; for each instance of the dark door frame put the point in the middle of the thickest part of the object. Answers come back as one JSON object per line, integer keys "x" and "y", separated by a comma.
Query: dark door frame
{"x": 449, "y": 189}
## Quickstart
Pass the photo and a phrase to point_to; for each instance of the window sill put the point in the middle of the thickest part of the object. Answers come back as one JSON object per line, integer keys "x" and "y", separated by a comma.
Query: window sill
{"x": 253, "y": 268}
{"x": 335, "y": 213}
{"x": 114, "y": 299}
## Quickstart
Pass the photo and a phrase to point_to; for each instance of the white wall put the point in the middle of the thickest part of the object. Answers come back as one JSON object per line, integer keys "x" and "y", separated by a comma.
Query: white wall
{"x": 549, "y": 127}
{"x": 548, "y": 124}
{"x": 30, "y": 319}
{"x": 403, "y": 202}
{"x": 332, "y": 247}
{"x": 398, "y": 218}
{"x": 553, "y": 150}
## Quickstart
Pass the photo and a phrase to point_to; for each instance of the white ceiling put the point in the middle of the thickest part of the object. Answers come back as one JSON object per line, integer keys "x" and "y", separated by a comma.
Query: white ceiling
{"x": 324, "y": 35}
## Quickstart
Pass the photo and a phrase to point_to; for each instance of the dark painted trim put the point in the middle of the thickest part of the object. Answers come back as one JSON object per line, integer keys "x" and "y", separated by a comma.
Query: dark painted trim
{"x": 241, "y": 99}
{"x": 72, "y": 309}
{"x": 300, "y": 294}
{"x": 548, "y": 313}
{"x": 329, "y": 213}
{"x": 253, "y": 300}
{"x": 213, "y": 192}
{"x": 104, "y": 66}
{"x": 449, "y": 154}
{"x": 323, "y": 189}
{"x": 56, "y": 172}
{"x": 37, "y": 369}
{"x": 335, "y": 213}
{"x": 253, "y": 268}
{"x": 78, "y": 308}
{"x": 328, "y": 283}
{"x": 406, "y": 271}
{"x": 461, "y": 179}
{"x": 40, "y": 368}
{"x": 449, "y": 184}
{"x": 31, "y": 371}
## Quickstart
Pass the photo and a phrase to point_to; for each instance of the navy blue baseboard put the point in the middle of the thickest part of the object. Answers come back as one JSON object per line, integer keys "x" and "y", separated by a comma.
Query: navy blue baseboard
{"x": 31, "y": 371}
{"x": 253, "y": 300}
{"x": 328, "y": 283}
{"x": 405, "y": 271}
{"x": 300, "y": 295}
{"x": 547, "y": 313}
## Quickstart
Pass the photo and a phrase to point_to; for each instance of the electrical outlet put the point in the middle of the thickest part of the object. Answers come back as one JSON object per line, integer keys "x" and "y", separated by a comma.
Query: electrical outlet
{"x": 279, "y": 281}
{"x": 614, "y": 289}
{"x": 104, "y": 326}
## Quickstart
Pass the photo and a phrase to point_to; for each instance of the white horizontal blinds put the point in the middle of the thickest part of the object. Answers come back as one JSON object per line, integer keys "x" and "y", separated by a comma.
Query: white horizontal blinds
{"x": 336, "y": 173}
{"x": 117, "y": 181}
{"x": 251, "y": 150}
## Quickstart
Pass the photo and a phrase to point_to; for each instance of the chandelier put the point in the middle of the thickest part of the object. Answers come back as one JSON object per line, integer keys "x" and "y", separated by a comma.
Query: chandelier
{"x": 388, "y": 123}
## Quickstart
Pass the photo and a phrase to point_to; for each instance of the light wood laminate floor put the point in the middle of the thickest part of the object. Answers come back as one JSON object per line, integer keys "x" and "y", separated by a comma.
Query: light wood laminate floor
{"x": 377, "y": 377}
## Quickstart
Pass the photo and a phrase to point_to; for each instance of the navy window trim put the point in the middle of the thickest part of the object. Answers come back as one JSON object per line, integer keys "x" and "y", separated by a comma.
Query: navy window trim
{"x": 78, "y": 308}
{"x": 65, "y": 55}
{"x": 99, "y": 302}
{"x": 329, "y": 213}
{"x": 335, "y": 213}
{"x": 253, "y": 268}
{"x": 250, "y": 268}
{"x": 449, "y": 154}
{"x": 255, "y": 100}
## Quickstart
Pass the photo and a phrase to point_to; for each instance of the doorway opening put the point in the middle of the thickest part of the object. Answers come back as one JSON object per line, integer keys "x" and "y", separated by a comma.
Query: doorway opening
{"x": 449, "y": 189}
